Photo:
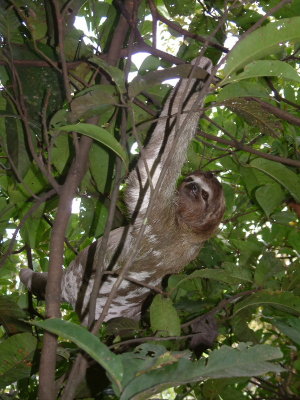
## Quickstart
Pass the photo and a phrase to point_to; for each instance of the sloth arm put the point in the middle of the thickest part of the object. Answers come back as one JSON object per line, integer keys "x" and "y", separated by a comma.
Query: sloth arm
{"x": 165, "y": 153}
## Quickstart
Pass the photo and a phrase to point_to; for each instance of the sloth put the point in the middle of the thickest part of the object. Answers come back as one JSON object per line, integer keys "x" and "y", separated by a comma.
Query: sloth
{"x": 175, "y": 222}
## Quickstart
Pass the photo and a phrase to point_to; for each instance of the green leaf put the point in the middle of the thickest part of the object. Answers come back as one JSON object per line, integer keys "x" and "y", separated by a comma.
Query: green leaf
{"x": 281, "y": 300}
{"x": 30, "y": 231}
{"x": 12, "y": 316}
{"x": 269, "y": 197}
{"x": 290, "y": 327}
{"x": 281, "y": 174}
{"x": 60, "y": 152}
{"x": 100, "y": 166}
{"x": 163, "y": 317}
{"x": 267, "y": 270}
{"x": 16, "y": 354}
{"x": 263, "y": 41}
{"x": 87, "y": 342}
{"x": 243, "y": 89}
{"x": 142, "y": 82}
{"x": 100, "y": 135}
{"x": 97, "y": 100}
{"x": 178, "y": 7}
{"x": 115, "y": 73}
{"x": 261, "y": 68}
{"x": 225, "y": 362}
{"x": 229, "y": 276}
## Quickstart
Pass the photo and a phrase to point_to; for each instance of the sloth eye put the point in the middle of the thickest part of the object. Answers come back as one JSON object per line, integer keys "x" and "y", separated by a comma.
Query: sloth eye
{"x": 204, "y": 194}
{"x": 188, "y": 179}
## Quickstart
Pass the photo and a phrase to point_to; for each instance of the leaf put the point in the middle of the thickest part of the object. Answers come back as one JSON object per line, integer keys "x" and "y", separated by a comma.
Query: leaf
{"x": 14, "y": 142}
{"x": 60, "y": 152}
{"x": 163, "y": 317}
{"x": 281, "y": 300}
{"x": 225, "y": 362}
{"x": 178, "y": 7}
{"x": 235, "y": 275}
{"x": 100, "y": 166}
{"x": 115, "y": 73}
{"x": 261, "y": 68}
{"x": 96, "y": 100}
{"x": 251, "y": 111}
{"x": 290, "y": 327}
{"x": 269, "y": 197}
{"x": 87, "y": 342}
{"x": 100, "y": 135}
{"x": 11, "y": 316}
{"x": 263, "y": 41}
{"x": 16, "y": 354}
{"x": 267, "y": 270}
{"x": 243, "y": 89}
{"x": 280, "y": 173}
{"x": 142, "y": 82}
{"x": 30, "y": 231}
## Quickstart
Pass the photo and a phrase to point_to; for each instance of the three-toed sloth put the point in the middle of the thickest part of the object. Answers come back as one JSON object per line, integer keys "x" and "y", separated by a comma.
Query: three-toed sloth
{"x": 175, "y": 221}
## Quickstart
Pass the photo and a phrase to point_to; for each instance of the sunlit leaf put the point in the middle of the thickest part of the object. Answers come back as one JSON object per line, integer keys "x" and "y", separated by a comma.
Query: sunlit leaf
{"x": 263, "y": 41}
{"x": 100, "y": 135}
{"x": 261, "y": 68}
{"x": 243, "y": 89}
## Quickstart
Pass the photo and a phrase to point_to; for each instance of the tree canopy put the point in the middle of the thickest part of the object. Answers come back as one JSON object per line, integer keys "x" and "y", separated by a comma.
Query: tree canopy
{"x": 75, "y": 107}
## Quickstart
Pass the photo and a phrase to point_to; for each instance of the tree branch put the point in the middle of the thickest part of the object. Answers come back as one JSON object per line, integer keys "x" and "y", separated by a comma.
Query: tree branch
{"x": 244, "y": 147}
{"x": 182, "y": 31}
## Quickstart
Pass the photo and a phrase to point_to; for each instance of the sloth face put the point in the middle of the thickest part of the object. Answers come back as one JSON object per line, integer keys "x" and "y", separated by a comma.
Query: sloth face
{"x": 200, "y": 203}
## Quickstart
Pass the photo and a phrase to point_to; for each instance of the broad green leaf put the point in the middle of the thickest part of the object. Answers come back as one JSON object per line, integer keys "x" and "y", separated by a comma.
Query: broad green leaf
{"x": 269, "y": 197}
{"x": 280, "y": 173}
{"x": 142, "y": 82}
{"x": 290, "y": 327}
{"x": 232, "y": 276}
{"x": 281, "y": 300}
{"x": 14, "y": 142}
{"x": 225, "y": 362}
{"x": 12, "y": 316}
{"x": 263, "y": 41}
{"x": 163, "y": 317}
{"x": 31, "y": 229}
{"x": 239, "y": 324}
{"x": 100, "y": 135}
{"x": 294, "y": 238}
{"x": 97, "y": 100}
{"x": 115, "y": 73}
{"x": 60, "y": 152}
{"x": 178, "y": 7}
{"x": 268, "y": 271}
{"x": 16, "y": 354}
{"x": 261, "y": 68}
{"x": 87, "y": 342}
{"x": 243, "y": 89}
{"x": 100, "y": 166}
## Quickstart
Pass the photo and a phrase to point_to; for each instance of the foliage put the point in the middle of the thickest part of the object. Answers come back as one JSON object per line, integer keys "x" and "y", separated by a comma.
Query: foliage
{"x": 228, "y": 326}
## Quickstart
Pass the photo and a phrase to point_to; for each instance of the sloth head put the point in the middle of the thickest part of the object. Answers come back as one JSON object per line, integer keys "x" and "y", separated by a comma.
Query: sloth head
{"x": 200, "y": 204}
